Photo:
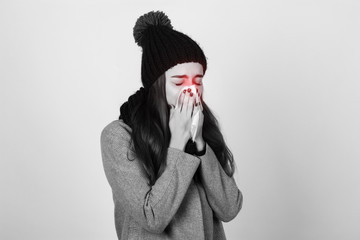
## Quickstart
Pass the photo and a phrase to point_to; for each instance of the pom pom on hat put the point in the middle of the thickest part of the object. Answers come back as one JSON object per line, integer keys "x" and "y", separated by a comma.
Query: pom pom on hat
{"x": 147, "y": 20}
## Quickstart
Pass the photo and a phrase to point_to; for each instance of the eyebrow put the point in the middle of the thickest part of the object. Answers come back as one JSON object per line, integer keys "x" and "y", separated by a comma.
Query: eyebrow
{"x": 185, "y": 76}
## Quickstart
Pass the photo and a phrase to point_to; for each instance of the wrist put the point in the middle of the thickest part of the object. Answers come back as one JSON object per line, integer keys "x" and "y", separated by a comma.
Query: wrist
{"x": 177, "y": 144}
{"x": 200, "y": 144}
{"x": 201, "y": 150}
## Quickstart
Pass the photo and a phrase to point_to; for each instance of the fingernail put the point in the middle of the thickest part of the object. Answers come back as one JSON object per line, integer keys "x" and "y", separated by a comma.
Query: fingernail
{"x": 184, "y": 91}
{"x": 191, "y": 94}
{"x": 189, "y": 89}
{"x": 197, "y": 90}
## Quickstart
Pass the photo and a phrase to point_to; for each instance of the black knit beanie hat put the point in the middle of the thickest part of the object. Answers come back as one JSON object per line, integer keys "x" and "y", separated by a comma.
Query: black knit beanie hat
{"x": 163, "y": 47}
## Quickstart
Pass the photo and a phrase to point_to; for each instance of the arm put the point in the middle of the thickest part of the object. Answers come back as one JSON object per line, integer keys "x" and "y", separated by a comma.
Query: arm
{"x": 223, "y": 195}
{"x": 153, "y": 208}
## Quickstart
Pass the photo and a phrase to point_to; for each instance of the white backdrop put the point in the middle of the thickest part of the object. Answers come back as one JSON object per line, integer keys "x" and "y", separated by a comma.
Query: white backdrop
{"x": 283, "y": 80}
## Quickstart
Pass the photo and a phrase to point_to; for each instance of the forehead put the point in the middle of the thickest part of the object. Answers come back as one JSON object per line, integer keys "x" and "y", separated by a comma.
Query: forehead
{"x": 189, "y": 68}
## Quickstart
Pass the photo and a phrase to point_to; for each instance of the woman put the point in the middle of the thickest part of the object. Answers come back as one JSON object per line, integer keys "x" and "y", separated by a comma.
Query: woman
{"x": 169, "y": 182}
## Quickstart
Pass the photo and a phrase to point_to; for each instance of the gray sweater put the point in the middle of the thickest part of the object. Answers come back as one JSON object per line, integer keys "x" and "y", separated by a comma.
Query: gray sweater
{"x": 176, "y": 206}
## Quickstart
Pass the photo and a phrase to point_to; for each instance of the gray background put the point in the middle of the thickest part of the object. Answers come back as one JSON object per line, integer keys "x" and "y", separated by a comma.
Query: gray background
{"x": 283, "y": 80}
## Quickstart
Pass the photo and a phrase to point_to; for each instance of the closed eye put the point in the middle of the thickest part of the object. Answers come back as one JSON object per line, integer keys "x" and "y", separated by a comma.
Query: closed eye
{"x": 198, "y": 77}
{"x": 178, "y": 84}
{"x": 198, "y": 82}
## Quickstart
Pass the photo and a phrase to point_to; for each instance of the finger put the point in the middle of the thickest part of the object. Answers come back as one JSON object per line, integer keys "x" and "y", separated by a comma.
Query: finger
{"x": 181, "y": 100}
{"x": 196, "y": 108}
{"x": 196, "y": 104}
{"x": 185, "y": 101}
{"x": 201, "y": 105}
{"x": 191, "y": 101}
{"x": 178, "y": 101}
{"x": 197, "y": 99}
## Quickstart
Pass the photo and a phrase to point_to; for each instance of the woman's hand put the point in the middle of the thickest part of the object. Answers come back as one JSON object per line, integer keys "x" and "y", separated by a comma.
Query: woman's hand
{"x": 180, "y": 120}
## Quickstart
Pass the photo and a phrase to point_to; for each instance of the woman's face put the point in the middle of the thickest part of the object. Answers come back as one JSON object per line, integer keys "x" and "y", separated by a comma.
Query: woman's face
{"x": 180, "y": 76}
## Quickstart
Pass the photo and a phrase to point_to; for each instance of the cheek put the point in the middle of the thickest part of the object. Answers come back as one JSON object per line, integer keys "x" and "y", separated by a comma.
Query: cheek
{"x": 171, "y": 95}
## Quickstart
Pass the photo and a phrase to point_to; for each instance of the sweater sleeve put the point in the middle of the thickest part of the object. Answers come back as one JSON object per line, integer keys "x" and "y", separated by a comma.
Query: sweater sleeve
{"x": 223, "y": 195}
{"x": 152, "y": 207}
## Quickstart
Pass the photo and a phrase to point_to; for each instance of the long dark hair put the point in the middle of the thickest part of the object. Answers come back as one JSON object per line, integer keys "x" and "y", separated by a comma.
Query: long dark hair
{"x": 151, "y": 134}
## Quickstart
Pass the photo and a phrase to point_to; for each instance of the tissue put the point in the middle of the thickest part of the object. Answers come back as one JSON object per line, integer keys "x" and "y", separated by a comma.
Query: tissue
{"x": 195, "y": 115}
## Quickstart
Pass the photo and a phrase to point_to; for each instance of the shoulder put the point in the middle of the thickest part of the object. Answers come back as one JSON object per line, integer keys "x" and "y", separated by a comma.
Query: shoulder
{"x": 116, "y": 129}
{"x": 116, "y": 147}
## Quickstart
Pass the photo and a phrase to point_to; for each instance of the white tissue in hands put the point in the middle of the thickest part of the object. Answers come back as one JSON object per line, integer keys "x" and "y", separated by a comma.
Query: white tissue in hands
{"x": 195, "y": 116}
{"x": 194, "y": 125}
